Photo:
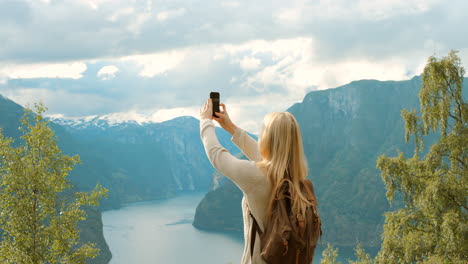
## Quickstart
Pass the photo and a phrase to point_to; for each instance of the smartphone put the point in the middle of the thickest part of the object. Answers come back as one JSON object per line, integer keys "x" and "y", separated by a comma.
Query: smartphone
{"x": 215, "y": 99}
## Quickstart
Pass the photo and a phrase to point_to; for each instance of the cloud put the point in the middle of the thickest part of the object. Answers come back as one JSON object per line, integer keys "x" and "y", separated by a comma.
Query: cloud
{"x": 165, "y": 57}
{"x": 157, "y": 63}
{"x": 72, "y": 70}
{"x": 107, "y": 72}
{"x": 249, "y": 63}
{"x": 167, "y": 114}
{"x": 254, "y": 78}
{"x": 59, "y": 31}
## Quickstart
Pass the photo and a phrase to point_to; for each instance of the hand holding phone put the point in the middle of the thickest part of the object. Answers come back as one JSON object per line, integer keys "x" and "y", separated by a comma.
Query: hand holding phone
{"x": 215, "y": 99}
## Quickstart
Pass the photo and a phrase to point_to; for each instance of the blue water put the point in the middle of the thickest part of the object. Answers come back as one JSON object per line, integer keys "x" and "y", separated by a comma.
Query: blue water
{"x": 162, "y": 232}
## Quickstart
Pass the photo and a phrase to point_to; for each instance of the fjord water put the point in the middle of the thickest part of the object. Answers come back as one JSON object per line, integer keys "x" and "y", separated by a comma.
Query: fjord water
{"x": 161, "y": 231}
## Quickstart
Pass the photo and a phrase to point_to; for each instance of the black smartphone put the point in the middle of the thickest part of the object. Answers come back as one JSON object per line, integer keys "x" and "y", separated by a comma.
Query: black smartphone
{"x": 215, "y": 99}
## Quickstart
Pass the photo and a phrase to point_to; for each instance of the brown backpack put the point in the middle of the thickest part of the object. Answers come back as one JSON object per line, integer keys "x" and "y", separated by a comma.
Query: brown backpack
{"x": 289, "y": 237}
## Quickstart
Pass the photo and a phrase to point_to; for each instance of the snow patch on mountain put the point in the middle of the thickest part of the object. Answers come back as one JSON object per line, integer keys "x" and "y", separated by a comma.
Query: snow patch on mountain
{"x": 114, "y": 119}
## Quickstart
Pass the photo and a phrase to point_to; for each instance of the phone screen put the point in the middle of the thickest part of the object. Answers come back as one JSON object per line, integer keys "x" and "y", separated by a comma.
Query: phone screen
{"x": 215, "y": 99}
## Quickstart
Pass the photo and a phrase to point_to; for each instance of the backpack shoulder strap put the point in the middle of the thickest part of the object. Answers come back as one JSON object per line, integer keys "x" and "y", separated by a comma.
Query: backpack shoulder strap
{"x": 253, "y": 233}
{"x": 310, "y": 191}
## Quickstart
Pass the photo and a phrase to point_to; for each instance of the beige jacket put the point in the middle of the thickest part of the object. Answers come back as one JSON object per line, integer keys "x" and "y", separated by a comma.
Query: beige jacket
{"x": 245, "y": 174}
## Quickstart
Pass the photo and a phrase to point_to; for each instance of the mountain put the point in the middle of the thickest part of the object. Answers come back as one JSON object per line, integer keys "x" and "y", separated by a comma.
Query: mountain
{"x": 91, "y": 229}
{"x": 142, "y": 161}
{"x": 344, "y": 130}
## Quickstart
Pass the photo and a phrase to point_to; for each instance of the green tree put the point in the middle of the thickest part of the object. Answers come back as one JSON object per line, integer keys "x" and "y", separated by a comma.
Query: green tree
{"x": 38, "y": 211}
{"x": 329, "y": 255}
{"x": 361, "y": 255}
{"x": 432, "y": 226}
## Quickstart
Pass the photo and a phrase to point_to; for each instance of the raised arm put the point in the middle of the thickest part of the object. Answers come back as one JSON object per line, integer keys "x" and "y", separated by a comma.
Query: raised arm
{"x": 247, "y": 144}
{"x": 244, "y": 141}
{"x": 241, "y": 172}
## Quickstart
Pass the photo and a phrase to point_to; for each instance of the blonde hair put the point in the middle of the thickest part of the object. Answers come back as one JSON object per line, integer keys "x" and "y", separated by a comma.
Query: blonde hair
{"x": 280, "y": 145}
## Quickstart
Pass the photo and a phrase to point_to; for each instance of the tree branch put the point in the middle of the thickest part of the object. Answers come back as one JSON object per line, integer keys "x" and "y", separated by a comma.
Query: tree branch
{"x": 461, "y": 161}
{"x": 455, "y": 201}
{"x": 455, "y": 117}
{"x": 458, "y": 104}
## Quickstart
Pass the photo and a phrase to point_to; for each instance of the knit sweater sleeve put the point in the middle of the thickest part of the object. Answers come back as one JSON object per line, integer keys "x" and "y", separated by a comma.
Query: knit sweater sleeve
{"x": 241, "y": 172}
{"x": 247, "y": 144}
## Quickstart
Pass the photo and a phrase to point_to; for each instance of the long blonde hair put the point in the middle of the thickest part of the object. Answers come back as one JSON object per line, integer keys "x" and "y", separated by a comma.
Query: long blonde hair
{"x": 280, "y": 145}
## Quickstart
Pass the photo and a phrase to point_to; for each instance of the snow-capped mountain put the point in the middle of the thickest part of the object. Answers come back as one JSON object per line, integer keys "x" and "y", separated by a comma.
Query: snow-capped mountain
{"x": 102, "y": 121}
{"x": 147, "y": 159}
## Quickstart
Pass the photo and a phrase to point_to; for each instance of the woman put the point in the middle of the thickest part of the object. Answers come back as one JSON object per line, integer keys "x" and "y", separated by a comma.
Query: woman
{"x": 279, "y": 152}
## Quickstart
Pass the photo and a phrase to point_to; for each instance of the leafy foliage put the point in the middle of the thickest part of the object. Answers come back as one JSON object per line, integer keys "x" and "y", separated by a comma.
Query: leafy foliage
{"x": 361, "y": 255}
{"x": 37, "y": 223}
{"x": 433, "y": 225}
{"x": 329, "y": 255}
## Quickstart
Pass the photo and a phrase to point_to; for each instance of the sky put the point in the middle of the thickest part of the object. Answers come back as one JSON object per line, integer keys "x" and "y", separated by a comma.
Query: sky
{"x": 159, "y": 59}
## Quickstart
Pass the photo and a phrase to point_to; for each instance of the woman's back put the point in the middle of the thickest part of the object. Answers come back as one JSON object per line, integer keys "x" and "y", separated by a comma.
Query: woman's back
{"x": 245, "y": 174}
{"x": 278, "y": 156}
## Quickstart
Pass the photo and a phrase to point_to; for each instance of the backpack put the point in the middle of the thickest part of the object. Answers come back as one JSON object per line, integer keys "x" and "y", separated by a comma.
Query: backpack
{"x": 289, "y": 237}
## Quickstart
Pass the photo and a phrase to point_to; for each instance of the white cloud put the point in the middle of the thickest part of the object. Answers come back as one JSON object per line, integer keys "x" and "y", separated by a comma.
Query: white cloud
{"x": 170, "y": 14}
{"x": 170, "y": 113}
{"x": 72, "y": 70}
{"x": 157, "y": 63}
{"x": 277, "y": 48}
{"x": 107, "y": 72}
{"x": 249, "y": 63}
{"x": 260, "y": 76}
{"x": 248, "y": 112}
{"x": 298, "y": 75}
{"x": 53, "y": 116}
{"x": 296, "y": 68}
